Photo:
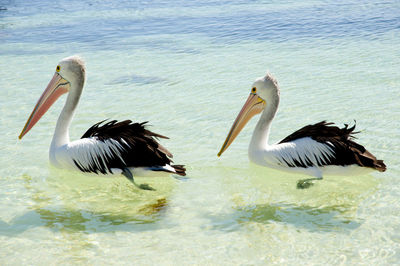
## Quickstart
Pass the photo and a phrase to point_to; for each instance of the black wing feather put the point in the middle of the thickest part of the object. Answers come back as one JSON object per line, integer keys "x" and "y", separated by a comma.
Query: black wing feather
{"x": 347, "y": 151}
{"x": 140, "y": 147}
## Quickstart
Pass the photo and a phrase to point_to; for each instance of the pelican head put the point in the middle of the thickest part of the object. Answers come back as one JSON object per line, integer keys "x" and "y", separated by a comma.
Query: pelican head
{"x": 263, "y": 90}
{"x": 68, "y": 77}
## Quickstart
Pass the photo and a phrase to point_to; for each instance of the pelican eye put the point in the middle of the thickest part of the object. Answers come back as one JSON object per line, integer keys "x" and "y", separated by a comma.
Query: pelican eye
{"x": 254, "y": 90}
{"x": 58, "y": 68}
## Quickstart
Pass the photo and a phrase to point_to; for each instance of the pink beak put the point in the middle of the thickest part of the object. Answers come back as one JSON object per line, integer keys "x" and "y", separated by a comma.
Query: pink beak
{"x": 254, "y": 105}
{"x": 57, "y": 87}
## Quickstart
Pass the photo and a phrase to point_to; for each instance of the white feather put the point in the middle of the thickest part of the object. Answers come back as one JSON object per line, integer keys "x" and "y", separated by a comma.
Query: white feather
{"x": 87, "y": 150}
{"x": 303, "y": 150}
{"x": 84, "y": 152}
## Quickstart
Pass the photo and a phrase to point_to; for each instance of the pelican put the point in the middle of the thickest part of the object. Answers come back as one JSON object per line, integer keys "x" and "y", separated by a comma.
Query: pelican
{"x": 315, "y": 150}
{"x": 113, "y": 147}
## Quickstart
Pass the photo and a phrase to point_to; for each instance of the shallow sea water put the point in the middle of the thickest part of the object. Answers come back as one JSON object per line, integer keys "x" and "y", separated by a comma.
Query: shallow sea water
{"x": 187, "y": 67}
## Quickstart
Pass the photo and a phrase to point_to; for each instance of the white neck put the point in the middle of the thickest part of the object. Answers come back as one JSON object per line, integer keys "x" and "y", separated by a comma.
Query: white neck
{"x": 260, "y": 137}
{"x": 61, "y": 133}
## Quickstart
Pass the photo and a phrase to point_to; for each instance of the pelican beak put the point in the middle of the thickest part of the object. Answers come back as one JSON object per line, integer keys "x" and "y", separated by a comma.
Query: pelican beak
{"x": 57, "y": 87}
{"x": 254, "y": 105}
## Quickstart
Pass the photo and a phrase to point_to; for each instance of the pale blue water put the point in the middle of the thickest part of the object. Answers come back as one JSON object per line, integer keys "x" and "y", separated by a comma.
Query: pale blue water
{"x": 187, "y": 67}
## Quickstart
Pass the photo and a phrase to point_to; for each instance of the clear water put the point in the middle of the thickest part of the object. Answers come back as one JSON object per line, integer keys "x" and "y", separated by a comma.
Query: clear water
{"x": 187, "y": 67}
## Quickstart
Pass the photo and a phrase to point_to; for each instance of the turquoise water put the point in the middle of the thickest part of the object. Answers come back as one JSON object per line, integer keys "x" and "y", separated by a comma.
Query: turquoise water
{"x": 187, "y": 67}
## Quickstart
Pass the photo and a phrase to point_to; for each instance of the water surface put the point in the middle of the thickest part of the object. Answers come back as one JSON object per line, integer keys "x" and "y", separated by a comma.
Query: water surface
{"x": 187, "y": 67}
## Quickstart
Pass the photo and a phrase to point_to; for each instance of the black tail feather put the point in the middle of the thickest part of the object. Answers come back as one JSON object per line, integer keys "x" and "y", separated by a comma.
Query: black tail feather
{"x": 179, "y": 169}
